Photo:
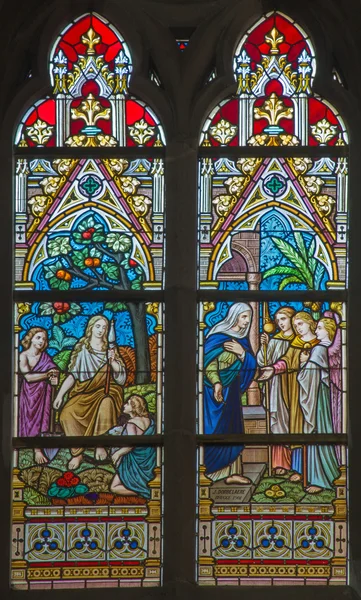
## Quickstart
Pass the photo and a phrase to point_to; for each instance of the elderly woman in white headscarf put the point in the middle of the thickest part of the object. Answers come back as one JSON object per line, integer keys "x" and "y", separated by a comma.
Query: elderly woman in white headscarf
{"x": 229, "y": 366}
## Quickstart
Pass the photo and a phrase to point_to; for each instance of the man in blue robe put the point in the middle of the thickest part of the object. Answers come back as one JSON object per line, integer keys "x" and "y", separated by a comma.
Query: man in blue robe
{"x": 229, "y": 366}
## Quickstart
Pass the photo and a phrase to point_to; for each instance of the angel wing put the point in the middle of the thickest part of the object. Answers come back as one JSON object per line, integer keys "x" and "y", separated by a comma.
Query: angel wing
{"x": 335, "y": 364}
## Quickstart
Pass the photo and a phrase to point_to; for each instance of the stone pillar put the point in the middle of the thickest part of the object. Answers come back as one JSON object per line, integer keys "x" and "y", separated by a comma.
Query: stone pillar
{"x": 205, "y": 215}
{"x": 21, "y": 189}
{"x": 205, "y": 517}
{"x": 301, "y": 118}
{"x": 153, "y": 562}
{"x": 341, "y": 218}
{"x": 253, "y": 392}
{"x": 245, "y": 119}
{"x": 119, "y": 130}
{"x": 157, "y": 172}
{"x": 21, "y": 218}
{"x": 18, "y": 562}
{"x": 339, "y": 561}
{"x": 61, "y": 120}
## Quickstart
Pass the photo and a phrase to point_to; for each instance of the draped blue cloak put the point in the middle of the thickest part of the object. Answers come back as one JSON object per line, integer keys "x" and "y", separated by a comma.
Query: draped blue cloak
{"x": 225, "y": 417}
{"x": 136, "y": 469}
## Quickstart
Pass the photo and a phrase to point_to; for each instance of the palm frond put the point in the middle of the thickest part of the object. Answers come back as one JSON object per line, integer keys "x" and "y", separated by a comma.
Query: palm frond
{"x": 289, "y": 280}
{"x": 301, "y": 245}
{"x": 282, "y": 270}
{"x": 298, "y": 261}
{"x": 318, "y": 275}
{"x": 312, "y": 262}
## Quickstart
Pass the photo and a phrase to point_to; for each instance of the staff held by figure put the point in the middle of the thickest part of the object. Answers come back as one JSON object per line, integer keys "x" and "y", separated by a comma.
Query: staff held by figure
{"x": 111, "y": 346}
{"x": 268, "y": 329}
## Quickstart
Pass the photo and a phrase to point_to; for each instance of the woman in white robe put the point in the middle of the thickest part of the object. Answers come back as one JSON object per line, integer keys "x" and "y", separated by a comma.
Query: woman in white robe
{"x": 94, "y": 388}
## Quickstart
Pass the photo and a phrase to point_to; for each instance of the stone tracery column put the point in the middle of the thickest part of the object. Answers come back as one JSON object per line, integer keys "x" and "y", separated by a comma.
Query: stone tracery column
{"x": 253, "y": 392}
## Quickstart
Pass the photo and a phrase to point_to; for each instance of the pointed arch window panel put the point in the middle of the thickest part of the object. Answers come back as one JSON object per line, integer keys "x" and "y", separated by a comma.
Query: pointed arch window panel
{"x": 88, "y": 324}
{"x": 272, "y": 325}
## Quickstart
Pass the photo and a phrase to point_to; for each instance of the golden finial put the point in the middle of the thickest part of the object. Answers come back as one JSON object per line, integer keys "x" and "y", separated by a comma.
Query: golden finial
{"x": 268, "y": 325}
{"x": 274, "y": 38}
{"x": 206, "y": 143}
{"x": 90, "y": 111}
{"x": 273, "y": 110}
{"x": 90, "y": 39}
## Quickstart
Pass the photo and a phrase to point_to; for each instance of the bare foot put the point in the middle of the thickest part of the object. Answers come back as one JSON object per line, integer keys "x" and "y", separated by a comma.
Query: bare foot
{"x": 40, "y": 459}
{"x": 313, "y": 489}
{"x": 238, "y": 479}
{"x": 75, "y": 462}
{"x": 116, "y": 487}
{"x": 280, "y": 471}
{"x": 296, "y": 477}
{"x": 101, "y": 454}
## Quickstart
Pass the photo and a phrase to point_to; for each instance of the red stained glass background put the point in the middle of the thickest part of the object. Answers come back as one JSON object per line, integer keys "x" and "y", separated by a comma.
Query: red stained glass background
{"x": 292, "y": 44}
{"x": 45, "y": 111}
{"x": 287, "y": 41}
{"x": 135, "y": 111}
{"x": 73, "y": 46}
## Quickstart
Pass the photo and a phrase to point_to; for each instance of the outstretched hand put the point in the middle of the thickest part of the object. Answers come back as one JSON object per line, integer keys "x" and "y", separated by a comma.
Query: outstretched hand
{"x": 266, "y": 373}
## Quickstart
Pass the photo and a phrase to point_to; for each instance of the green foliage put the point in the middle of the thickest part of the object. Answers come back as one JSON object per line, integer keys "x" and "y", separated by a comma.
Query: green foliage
{"x": 55, "y": 491}
{"x": 136, "y": 284}
{"x": 118, "y": 243}
{"x": 34, "y": 498}
{"x": 301, "y": 245}
{"x": 79, "y": 256}
{"x": 294, "y": 493}
{"x": 287, "y": 280}
{"x": 324, "y": 497}
{"x": 305, "y": 270}
{"x": 90, "y": 241}
{"x": 296, "y": 259}
{"x": 62, "y": 359}
{"x": 116, "y": 306}
{"x": 26, "y": 458}
{"x": 54, "y": 281}
{"x": 111, "y": 270}
{"x": 68, "y": 311}
{"x": 59, "y": 245}
{"x": 60, "y": 341}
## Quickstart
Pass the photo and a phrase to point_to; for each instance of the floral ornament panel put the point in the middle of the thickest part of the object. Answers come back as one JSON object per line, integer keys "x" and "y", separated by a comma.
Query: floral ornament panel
{"x": 83, "y": 368}
{"x": 273, "y": 223}
{"x": 90, "y": 70}
{"x": 89, "y": 224}
{"x": 257, "y": 526}
{"x": 98, "y": 522}
{"x": 274, "y": 104}
{"x": 272, "y": 367}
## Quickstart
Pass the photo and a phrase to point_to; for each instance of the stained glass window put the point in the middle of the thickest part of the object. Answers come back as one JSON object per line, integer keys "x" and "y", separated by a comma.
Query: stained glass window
{"x": 89, "y": 321}
{"x": 272, "y": 275}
